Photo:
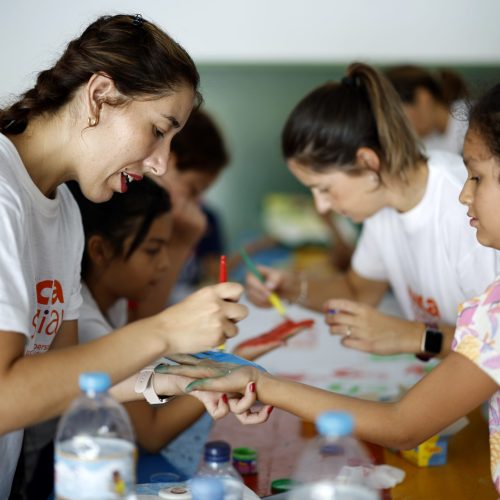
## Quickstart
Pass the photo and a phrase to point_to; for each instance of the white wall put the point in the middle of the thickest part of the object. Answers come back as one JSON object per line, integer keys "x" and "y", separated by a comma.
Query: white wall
{"x": 33, "y": 32}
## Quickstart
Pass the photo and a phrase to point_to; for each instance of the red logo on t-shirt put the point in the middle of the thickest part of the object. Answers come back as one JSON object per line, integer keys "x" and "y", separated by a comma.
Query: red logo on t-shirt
{"x": 49, "y": 315}
{"x": 424, "y": 309}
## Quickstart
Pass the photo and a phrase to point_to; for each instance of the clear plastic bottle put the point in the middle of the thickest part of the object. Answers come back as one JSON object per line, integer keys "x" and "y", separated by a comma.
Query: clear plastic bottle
{"x": 206, "y": 488}
{"x": 95, "y": 454}
{"x": 331, "y": 466}
{"x": 217, "y": 463}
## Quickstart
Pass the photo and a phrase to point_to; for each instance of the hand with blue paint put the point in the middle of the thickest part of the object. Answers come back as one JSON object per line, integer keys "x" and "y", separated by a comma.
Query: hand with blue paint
{"x": 238, "y": 377}
{"x": 227, "y": 357}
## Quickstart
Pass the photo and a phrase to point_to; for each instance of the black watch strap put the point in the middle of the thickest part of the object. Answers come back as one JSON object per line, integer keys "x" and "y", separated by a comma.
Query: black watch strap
{"x": 432, "y": 342}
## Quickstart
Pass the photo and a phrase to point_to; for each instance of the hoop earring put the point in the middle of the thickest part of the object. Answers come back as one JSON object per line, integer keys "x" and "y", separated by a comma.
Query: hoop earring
{"x": 93, "y": 121}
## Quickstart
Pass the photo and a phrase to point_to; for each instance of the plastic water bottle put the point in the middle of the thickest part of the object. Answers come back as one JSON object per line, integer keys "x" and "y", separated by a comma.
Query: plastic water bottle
{"x": 206, "y": 488}
{"x": 217, "y": 463}
{"x": 331, "y": 467}
{"x": 95, "y": 454}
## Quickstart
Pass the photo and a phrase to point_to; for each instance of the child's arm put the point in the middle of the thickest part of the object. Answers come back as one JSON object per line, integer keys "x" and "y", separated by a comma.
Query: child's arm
{"x": 155, "y": 427}
{"x": 450, "y": 391}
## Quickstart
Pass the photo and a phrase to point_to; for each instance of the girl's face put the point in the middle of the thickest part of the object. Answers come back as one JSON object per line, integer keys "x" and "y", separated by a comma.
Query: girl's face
{"x": 134, "y": 277}
{"x": 189, "y": 184}
{"x": 354, "y": 196}
{"x": 129, "y": 141}
{"x": 481, "y": 191}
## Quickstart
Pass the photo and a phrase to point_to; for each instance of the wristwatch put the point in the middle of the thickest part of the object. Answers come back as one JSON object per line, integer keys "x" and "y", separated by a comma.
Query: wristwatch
{"x": 144, "y": 385}
{"x": 432, "y": 342}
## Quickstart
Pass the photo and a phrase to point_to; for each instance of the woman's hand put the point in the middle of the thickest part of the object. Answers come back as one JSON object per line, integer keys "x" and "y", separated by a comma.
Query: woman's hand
{"x": 365, "y": 328}
{"x": 283, "y": 283}
{"x": 205, "y": 319}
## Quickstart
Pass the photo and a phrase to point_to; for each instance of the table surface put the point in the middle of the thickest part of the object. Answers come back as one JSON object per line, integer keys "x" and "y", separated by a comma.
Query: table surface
{"x": 466, "y": 475}
{"x": 280, "y": 440}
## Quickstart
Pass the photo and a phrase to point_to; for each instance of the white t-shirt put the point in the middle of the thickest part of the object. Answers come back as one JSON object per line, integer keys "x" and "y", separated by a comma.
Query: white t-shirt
{"x": 92, "y": 324}
{"x": 41, "y": 245}
{"x": 452, "y": 140}
{"x": 429, "y": 255}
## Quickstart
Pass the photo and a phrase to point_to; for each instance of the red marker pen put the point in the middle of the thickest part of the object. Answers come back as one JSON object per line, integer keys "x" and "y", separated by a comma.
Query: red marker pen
{"x": 222, "y": 279}
{"x": 222, "y": 269}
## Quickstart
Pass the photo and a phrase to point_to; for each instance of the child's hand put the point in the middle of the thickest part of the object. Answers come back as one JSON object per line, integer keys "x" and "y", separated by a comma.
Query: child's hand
{"x": 239, "y": 399}
{"x": 219, "y": 405}
{"x": 205, "y": 319}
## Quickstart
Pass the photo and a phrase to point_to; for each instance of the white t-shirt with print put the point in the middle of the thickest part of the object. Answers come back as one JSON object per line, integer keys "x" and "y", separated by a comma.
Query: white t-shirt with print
{"x": 429, "y": 255}
{"x": 92, "y": 323}
{"x": 41, "y": 244}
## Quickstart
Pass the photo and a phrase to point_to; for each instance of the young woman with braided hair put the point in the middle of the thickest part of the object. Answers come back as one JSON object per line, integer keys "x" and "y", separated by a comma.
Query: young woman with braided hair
{"x": 104, "y": 116}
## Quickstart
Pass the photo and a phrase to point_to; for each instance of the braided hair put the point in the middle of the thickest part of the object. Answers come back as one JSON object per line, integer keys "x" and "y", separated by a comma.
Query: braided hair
{"x": 142, "y": 60}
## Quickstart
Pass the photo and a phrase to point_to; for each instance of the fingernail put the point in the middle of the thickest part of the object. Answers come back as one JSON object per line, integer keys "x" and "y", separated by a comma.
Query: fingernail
{"x": 252, "y": 387}
{"x": 270, "y": 410}
{"x": 224, "y": 398}
{"x": 332, "y": 311}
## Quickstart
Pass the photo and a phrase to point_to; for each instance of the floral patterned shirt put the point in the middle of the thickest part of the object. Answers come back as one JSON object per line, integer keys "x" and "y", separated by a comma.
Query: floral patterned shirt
{"x": 477, "y": 337}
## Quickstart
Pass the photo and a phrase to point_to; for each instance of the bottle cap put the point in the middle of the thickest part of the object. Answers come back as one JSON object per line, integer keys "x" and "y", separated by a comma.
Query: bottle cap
{"x": 335, "y": 423}
{"x": 94, "y": 381}
{"x": 217, "y": 451}
{"x": 206, "y": 487}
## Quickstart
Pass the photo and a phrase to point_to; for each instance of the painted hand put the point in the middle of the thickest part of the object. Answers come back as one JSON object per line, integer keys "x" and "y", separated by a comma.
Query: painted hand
{"x": 236, "y": 382}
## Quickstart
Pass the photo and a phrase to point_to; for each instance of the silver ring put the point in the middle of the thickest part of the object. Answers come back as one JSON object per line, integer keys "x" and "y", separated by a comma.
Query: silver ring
{"x": 349, "y": 331}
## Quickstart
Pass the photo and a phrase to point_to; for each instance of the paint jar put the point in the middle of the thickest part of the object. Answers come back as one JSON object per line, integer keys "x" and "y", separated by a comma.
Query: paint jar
{"x": 307, "y": 429}
{"x": 283, "y": 485}
{"x": 245, "y": 461}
